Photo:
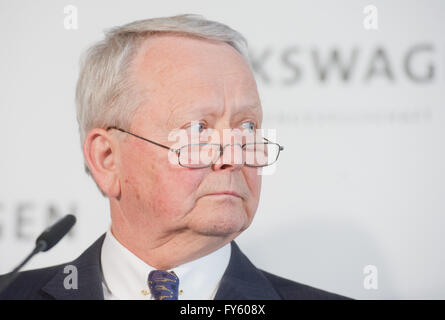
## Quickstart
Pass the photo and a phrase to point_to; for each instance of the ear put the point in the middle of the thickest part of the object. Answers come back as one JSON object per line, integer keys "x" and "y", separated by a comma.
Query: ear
{"x": 101, "y": 152}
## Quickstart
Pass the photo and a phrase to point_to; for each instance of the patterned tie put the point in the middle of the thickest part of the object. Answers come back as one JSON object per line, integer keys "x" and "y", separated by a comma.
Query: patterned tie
{"x": 163, "y": 285}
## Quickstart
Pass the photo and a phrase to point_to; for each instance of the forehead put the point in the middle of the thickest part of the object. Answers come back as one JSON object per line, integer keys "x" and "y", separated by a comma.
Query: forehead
{"x": 187, "y": 75}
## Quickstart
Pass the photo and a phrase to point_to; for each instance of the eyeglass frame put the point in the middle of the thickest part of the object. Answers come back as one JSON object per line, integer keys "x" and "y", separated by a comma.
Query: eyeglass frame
{"x": 221, "y": 149}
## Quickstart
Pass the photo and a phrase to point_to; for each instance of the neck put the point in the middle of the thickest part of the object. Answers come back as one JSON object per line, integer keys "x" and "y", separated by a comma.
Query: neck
{"x": 168, "y": 252}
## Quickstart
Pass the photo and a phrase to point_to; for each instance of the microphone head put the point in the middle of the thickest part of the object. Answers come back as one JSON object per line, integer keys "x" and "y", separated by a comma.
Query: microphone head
{"x": 54, "y": 233}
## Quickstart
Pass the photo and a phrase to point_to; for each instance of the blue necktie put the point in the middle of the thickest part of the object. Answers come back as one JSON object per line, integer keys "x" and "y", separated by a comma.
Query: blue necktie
{"x": 163, "y": 285}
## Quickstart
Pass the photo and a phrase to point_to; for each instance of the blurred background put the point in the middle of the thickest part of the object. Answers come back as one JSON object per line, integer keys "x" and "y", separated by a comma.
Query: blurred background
{"x": 355, "y": 90}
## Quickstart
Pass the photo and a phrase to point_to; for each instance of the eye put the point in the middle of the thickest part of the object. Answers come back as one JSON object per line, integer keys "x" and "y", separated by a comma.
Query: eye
{"x": 249, "y": 125}
{"x": 197, "y": 127}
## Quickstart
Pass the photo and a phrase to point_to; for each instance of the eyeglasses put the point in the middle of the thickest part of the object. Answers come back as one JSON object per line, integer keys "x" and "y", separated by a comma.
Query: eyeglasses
{"x": 204, "y": 155}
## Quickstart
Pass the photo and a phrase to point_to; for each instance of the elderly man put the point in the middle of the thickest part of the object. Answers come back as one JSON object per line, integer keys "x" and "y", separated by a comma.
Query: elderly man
{"x": 173, "y": 221}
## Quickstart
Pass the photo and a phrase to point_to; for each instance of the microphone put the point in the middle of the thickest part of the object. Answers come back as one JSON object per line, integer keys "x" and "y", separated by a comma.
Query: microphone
{"x": 53, "y": 234}
{"x": 44, "y": 242}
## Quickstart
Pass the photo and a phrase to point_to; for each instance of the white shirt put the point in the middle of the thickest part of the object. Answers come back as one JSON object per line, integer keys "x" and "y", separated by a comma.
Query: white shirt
{"x": 125, "y": 275}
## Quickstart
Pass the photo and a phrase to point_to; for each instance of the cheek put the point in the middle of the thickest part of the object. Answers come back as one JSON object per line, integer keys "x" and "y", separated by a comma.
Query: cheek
{"x": 135, "y": 167}
{"x": 253, "y": 180}
{"x": 157, "y": 187}
{"x": 175, "y": 191}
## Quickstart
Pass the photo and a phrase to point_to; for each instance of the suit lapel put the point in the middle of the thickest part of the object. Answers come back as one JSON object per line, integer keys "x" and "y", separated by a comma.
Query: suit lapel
{"x": 243, "y": 281}
{"x": 89, "y": 276}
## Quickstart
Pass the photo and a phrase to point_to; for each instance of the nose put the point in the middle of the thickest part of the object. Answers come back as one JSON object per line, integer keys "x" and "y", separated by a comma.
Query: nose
{"x": 231, "y": 158}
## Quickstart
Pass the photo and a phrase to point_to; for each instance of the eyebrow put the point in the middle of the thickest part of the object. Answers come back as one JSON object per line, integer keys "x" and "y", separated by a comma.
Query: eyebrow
{"x": 254, "y": 109}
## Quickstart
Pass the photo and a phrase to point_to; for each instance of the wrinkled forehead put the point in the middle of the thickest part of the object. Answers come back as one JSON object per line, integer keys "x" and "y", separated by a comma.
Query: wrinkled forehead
{"x": 186, "y": 77}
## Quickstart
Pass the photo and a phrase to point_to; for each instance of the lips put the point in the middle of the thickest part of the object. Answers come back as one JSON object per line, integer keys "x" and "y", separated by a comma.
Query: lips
{"x": 222, "y": 193}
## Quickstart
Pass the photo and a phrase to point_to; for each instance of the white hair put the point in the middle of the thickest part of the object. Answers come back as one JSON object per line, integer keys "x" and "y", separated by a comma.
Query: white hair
{"x": 106, "y": 93}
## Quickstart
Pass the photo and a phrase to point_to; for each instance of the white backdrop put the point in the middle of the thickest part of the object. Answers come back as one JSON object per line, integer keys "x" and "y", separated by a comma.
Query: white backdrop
{"x": 360, "y": 112}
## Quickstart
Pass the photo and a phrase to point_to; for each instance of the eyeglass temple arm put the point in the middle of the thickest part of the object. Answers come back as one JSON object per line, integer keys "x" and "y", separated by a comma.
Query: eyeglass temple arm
{"x": 151, "y": 141}
{"x": 281, "y": 147}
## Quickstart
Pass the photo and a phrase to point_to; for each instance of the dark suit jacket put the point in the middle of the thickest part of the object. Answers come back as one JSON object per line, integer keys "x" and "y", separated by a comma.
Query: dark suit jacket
{"x": 241, "y": 281}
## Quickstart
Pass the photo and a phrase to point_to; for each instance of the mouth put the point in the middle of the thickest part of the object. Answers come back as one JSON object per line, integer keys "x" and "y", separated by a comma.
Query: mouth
{"x": 225, "y": 193}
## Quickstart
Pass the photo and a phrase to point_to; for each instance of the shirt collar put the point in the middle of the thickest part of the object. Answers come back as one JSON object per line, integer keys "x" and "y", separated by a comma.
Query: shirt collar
{"x": 125, "y": 275}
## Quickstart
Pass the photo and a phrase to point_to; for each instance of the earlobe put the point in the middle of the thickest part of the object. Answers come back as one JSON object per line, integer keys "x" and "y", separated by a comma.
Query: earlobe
{"x": 100, "y": 152}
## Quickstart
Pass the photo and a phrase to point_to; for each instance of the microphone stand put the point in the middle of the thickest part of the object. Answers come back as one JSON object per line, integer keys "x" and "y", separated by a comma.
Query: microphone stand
{"x": 44, "y": 242}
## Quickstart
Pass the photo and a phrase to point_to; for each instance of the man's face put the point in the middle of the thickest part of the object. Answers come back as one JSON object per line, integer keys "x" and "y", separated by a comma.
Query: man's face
{"x": 188, "y": 80}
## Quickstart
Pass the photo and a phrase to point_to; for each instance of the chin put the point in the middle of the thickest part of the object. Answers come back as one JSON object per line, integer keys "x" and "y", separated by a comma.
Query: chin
{"x": 220, "y": 222}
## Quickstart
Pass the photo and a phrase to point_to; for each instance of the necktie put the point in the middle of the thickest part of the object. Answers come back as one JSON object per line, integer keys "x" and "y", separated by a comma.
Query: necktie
{"x": 163, "y": 285}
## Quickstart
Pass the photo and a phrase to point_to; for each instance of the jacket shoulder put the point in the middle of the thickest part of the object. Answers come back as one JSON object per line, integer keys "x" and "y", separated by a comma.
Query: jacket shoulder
{"x": 291, "y": 290}
{"x": 48, "y": 283}
{"x": 28, "y": 284}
